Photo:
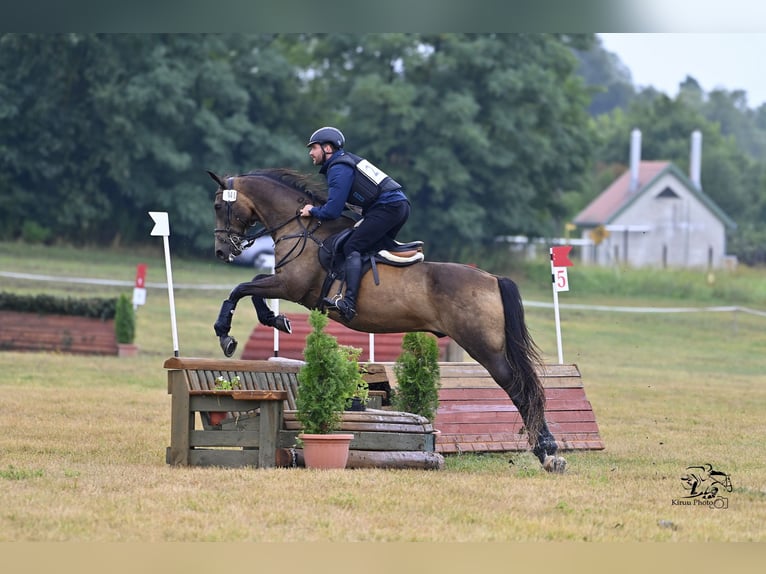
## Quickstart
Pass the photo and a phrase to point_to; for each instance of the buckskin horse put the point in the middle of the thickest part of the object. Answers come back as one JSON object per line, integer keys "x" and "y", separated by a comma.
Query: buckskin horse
{"x": 481, "y": 312}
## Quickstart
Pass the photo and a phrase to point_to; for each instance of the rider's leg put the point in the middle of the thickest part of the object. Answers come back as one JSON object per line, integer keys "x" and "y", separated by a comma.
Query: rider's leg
{"x": 347, "y": 305}
{"x": 379, "y": 222}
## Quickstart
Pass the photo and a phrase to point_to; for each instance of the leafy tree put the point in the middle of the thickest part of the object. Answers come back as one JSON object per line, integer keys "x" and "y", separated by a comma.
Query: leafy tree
{"x": 608, "y": 79}
{"x": 485, "y": 131}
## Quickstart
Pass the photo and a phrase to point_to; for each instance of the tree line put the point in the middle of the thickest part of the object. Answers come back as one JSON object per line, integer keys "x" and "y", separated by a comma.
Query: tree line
{"x": 491, "y": 134}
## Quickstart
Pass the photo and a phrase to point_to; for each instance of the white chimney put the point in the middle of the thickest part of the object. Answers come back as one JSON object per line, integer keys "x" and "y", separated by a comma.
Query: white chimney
{"x": 635, "y": 158}
{"x": 695, "y": 160}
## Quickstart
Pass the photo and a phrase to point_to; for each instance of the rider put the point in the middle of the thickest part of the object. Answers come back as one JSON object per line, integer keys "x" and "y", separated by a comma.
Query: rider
{"x": 352, "y": 179}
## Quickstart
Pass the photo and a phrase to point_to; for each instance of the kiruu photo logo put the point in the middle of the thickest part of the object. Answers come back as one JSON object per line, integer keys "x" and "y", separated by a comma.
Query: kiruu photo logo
{"x": 706, "y": 487}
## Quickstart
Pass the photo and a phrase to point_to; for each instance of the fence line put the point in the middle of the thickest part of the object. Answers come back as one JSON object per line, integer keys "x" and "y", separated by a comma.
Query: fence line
{"x": 538, "y": 304}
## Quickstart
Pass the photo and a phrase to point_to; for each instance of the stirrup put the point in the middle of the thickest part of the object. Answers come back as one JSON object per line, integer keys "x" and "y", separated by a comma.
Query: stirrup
{"x": 346, "y": 309}
{"x": 331, "y": 302}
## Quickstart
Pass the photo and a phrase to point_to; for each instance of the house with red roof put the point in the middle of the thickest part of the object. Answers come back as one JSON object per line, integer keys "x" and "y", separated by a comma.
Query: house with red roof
{"x": 653, "y": 215}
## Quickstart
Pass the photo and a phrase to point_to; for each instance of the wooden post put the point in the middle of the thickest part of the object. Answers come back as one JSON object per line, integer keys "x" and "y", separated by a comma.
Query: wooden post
{"x": 181, "y": 419}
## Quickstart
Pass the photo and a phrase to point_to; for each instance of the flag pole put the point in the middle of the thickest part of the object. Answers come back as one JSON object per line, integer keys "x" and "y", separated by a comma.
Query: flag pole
{"x": 162, "y": 227}
{"x": 560, "y": 282}
{"x": 556, "y": 312}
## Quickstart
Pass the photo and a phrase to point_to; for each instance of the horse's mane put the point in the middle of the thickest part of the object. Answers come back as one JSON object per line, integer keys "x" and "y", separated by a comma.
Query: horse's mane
{"x": 300, "y": 181}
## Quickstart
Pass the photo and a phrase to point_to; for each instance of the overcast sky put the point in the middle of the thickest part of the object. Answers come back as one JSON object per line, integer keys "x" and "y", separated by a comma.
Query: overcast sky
{"x": 732, "y": 61}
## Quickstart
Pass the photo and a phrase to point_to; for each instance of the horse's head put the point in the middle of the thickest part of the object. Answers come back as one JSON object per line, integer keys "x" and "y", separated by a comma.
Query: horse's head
{"x": 234, "y": 214}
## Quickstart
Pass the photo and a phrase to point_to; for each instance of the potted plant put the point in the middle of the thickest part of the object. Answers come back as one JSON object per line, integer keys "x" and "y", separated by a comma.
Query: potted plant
{"x": 221, "y": 384}
{"x": 417, "y": 376}
{"x": 125, "y": 327}
{"x": 326, "y": 381}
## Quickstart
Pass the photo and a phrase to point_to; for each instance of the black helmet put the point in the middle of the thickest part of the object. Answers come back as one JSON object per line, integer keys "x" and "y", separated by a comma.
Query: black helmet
{"x": 327, "y": 134}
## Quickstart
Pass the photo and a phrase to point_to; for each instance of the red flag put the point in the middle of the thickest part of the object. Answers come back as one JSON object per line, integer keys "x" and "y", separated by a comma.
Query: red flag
{"x": 140, "y": 275}
{"x": 560, "y": 256}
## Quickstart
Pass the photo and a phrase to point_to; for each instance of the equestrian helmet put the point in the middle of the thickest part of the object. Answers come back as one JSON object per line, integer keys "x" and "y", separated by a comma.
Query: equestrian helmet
{"x": 327, "y": 134}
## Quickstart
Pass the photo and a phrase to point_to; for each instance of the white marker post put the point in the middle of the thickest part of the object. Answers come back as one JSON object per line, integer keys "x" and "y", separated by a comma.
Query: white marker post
{"x": 372, "y": 348}
{"x": 559, "y": 263}
{"x": 275, "y": 308}
{"x": 162, "y": 227}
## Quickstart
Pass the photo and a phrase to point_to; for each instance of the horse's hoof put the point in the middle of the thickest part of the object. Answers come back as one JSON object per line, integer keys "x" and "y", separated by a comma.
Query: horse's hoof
{"x": 555, "y": 464}
{"x": 228, "y": 345}
{"x": 283, "y": 324}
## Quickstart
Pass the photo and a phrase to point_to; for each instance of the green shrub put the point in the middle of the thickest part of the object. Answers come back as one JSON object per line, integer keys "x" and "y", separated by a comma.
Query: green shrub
{"x": 417, "y": 376}
{"x": 327, "y": 380}
{"x": 94, "y": 307}
{"x": 124, "y": 320}
{"x": 33, "y": 232}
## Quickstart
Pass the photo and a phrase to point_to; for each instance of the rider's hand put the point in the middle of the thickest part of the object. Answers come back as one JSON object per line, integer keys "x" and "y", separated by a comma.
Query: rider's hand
{"x": 306, "y": 210}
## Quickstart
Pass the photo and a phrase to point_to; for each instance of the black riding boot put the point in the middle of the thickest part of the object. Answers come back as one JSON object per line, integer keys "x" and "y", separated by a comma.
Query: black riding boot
{"x": 347, "y": 306}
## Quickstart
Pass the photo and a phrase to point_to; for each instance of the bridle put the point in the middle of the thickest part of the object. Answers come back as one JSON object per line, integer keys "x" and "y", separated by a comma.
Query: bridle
{"x": 241, "y": 241}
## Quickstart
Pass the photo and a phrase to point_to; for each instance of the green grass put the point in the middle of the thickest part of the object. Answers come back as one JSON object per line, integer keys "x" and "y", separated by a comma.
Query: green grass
{"x": 82, "y": 453}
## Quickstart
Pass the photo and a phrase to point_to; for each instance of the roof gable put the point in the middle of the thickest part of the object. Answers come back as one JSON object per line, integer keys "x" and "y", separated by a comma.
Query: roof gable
{"x": 617, "y": 197}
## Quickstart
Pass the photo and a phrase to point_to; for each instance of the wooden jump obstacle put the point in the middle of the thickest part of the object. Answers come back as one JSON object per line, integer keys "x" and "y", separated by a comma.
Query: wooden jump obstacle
{"x": 260, "y": 427}
{"x": 476, "y": 415}
{"x": 388, "y": 346}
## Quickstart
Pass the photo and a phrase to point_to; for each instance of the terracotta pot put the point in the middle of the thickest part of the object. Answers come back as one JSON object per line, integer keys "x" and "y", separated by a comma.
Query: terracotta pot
{"x": 216, "y": 417}
{"x": 326, "y": 451}
{"x": 127, "y": 350}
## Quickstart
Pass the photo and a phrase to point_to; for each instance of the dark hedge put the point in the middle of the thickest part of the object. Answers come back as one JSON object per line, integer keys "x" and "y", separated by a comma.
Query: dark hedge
{"x": 97, "y": 308}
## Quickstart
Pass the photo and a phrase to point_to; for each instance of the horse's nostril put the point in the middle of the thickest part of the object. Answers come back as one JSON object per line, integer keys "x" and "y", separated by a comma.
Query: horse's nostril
{"x": 219, "y": 254}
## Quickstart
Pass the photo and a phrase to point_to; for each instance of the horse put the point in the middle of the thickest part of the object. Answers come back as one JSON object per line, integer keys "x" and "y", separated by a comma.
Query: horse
{"x": 481, "y": 312}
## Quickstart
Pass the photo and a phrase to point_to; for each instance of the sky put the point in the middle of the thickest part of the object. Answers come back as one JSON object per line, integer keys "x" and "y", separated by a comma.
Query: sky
{"x": 732, "y": 61}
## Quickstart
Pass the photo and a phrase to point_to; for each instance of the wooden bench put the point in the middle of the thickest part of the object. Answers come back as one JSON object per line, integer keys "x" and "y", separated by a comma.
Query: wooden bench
{"x": 262, "y": 416}
{"x": 191, "y": 383}
{"x": 476, "y": 415}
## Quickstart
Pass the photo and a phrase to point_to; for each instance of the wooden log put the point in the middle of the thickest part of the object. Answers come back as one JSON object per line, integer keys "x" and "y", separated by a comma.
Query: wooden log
{"x": 372, "y": 459}
{"x": 389, "y": 441}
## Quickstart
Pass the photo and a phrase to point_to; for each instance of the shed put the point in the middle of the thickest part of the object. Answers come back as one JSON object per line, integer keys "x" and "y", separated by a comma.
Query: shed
{"x": 655, "y": 216}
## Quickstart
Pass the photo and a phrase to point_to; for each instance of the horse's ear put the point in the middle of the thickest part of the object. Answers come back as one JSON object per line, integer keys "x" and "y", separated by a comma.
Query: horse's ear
{"x": 216, "y": 179}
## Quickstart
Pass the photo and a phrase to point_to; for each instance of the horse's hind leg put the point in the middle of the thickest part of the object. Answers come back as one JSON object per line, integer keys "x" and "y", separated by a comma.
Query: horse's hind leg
{"x": 545, "y": 446}
{"x": 545, "y": 451}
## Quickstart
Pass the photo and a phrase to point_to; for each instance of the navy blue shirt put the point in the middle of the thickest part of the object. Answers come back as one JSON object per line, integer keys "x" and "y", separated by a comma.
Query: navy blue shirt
{"x": 340, "y": 178}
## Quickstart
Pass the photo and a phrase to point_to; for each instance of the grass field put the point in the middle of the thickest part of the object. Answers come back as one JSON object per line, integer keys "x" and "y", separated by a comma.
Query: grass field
{"x": 82, "y": 452}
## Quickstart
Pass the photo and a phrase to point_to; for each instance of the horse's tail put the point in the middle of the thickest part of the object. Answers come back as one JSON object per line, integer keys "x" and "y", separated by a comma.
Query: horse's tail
{"x": 522, "y": 354}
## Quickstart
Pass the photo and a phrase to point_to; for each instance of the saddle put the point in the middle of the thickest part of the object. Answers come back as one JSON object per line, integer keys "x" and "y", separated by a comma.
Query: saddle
{"x": 332, "y": 260}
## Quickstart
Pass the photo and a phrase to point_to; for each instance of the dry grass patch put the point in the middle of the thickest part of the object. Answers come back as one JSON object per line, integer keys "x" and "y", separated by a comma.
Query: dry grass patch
{"x": 82, "y": 452}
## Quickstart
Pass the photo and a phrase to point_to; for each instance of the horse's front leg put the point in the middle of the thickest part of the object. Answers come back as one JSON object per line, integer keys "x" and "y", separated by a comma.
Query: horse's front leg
{"x": 260, "y": 284}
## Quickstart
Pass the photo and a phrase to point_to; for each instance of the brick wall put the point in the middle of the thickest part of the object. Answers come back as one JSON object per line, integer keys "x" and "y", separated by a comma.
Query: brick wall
{"x": 57, "y": 333}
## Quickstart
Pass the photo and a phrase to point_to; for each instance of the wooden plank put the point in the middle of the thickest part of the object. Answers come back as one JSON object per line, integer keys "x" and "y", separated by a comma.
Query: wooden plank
{"x": 224, "y": 458}
{"x": 499, "y": 426}
{"x": 379, "y": 441}
{"x": 242, "y": 395}
{"x": 369, "y": 426}
{"x": 373, "y": 415}
{"x": 237, "y": 365}
{"x": 222, "y": 438}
